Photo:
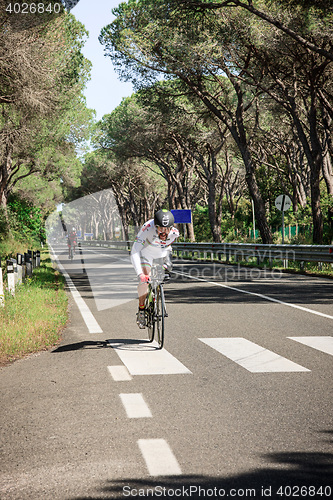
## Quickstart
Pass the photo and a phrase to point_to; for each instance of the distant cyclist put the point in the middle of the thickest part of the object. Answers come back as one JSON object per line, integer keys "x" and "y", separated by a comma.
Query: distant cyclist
{"x": 152, "y": 242}
{"x": 72, "y": 241}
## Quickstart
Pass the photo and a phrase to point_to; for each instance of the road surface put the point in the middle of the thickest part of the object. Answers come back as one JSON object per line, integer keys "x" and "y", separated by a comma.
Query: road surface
{"x": 237, "y": 405}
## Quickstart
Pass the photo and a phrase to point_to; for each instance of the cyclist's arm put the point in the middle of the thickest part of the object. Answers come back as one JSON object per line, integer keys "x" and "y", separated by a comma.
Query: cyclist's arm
{"x": 136, "y": 257}
{"x": 138, "y": 246}
{"x": 167, "y": 258}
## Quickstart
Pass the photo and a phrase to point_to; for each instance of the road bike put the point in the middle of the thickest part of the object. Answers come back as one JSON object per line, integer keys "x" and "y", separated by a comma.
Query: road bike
{"x": 71, "y": 251}
{"x": 155, "y": 310}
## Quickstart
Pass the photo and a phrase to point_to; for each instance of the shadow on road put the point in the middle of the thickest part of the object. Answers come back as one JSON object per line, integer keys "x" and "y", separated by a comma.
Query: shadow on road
{"x": 98, "y": 344}
{"x": 293, "y": 475}
{"x": 86, "y": 344}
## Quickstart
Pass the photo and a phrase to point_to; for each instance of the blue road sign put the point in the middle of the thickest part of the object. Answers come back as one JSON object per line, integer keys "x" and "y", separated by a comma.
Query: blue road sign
{"x": 182, "y": 216}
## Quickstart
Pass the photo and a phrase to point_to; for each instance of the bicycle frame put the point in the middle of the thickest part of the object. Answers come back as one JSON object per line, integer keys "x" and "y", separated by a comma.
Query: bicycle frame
{"x": 155, "y": 305}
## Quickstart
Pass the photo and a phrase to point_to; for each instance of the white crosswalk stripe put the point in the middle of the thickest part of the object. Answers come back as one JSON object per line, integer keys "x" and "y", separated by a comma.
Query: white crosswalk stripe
{"x": 251, "y": 356}
{"x": 144, "y": 359}
{"x": 323, "y": 343}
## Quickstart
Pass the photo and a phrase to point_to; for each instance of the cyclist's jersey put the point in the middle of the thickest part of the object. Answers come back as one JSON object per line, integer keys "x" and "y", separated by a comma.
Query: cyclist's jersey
{"x": 72, "y": 238}
{"x": 149, "y": 246}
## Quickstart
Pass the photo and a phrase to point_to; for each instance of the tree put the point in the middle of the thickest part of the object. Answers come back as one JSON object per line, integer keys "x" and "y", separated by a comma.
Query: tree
{"x": 296, "y": 52}
{"x": 265, "y": 11}
{"x": 147, "y": 41}
{"x": 134, "y": 131}
{"x": 137, "y": 193}
{"x": 43, "y": 114}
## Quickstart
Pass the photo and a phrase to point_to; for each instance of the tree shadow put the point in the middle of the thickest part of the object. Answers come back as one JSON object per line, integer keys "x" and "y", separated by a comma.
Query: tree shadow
{"x": 294, "y": 475}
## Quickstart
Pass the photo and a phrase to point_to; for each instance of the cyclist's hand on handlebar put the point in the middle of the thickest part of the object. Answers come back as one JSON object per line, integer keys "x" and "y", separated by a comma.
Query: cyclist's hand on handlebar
{"x": 144, "y": 278}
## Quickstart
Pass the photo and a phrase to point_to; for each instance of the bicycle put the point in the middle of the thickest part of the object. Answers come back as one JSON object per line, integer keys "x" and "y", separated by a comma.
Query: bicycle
{"x": 71, "y": 252}
{"x": 155, "y": 305}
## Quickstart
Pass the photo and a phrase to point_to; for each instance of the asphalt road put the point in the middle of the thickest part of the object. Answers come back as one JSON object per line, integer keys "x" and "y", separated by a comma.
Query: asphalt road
{"x": 237, "y": 405}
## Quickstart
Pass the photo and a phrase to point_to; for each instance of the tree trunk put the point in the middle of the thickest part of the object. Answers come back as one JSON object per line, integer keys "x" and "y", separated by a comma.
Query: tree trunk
{"x": 316, "y": 169}
{"x": 237, "y": 130}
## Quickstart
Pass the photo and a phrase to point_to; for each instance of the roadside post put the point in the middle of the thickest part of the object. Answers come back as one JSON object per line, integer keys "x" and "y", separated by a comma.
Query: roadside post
{"x": 2, "y": 296}
{"x": 283, "y": 203}
{"x": 24, "y": 268}
{"x": 28, "y": 263}
{"x": 11, "y": 277}
{"x": 34, "y": 259}
{"x": 19, "y": 259}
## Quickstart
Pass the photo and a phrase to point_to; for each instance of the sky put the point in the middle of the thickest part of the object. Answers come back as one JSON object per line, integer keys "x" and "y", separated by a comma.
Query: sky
{"x": 104, "y": 91}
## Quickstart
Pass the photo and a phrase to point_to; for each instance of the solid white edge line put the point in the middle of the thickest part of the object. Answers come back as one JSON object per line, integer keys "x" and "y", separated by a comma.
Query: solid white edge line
{"x": 266, "y": 297}
{"x": 159, "y": 457}
{"x": 86, "y": 314}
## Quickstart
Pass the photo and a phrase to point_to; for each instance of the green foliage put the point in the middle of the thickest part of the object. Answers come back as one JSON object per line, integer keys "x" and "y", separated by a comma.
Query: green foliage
{"x": 201, "y": 223}
{"x": 27, "y": 219}
{"x": 44, "y": 121}
{"x": 33, "y": 319}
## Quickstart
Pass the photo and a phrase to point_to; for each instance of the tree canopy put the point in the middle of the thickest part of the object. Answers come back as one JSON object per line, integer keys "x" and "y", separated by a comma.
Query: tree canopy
{"x": 241, "y": 68}
{"x": 44, "y": 118}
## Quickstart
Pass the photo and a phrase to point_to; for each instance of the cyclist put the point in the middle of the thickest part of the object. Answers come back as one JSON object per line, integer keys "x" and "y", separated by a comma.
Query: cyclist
{"x": 152, "y": 242}
{"x": 72, "y": 241}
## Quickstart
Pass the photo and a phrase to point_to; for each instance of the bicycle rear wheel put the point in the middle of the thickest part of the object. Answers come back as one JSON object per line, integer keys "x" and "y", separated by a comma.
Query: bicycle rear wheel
{"x": 160, "y": 309}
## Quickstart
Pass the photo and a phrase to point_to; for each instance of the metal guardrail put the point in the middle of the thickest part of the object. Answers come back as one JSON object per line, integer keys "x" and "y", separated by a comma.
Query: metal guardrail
{"x": 242, "y": 251}
{"x": 259, "y": 251}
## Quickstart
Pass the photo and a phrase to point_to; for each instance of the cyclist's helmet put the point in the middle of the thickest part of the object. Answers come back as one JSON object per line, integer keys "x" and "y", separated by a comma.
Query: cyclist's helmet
{"x": 164, "y": 218}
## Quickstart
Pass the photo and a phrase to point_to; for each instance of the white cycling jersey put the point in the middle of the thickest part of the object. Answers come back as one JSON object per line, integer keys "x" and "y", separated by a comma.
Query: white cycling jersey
{"x": 148, "y": 246}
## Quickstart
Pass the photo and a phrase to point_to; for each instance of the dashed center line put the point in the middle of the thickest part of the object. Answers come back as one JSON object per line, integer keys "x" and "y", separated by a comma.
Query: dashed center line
{"x": 135, "y": 406}
{"x": 119, "y": 373}
{"x": 159, "y": 457}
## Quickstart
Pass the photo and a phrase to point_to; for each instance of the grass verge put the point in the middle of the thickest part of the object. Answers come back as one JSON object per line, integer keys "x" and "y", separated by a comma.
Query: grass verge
{"x": 34, "y": 319}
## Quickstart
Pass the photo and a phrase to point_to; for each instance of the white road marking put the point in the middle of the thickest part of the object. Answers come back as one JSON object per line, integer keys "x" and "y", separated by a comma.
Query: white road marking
{"x": 260, "y": 295}
{"x": 252, "y": 357}
{"x": 144, "y": 359}
{"x": 159, "y": 457}
{"x": 135, "y": 405}
{"x": 324, "y": 344}
{"x": 119, "y": 373}
{"x": 86, "y": 314}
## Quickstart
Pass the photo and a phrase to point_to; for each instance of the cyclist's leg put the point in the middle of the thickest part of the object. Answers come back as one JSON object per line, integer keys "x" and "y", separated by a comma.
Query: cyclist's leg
{"x": 160, "y": 315}
{"x": 142, "y": 293}
{"x": 143, "y": 287}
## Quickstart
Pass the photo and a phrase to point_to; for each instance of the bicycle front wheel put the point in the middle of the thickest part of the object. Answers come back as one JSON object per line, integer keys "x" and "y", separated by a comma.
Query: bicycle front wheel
{"x": 150, "y": 321}
{"x": 160, "y": 310}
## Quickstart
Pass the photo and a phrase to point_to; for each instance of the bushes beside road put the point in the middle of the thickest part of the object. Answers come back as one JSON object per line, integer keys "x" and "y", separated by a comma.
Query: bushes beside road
{"x": 33, "y": 320}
